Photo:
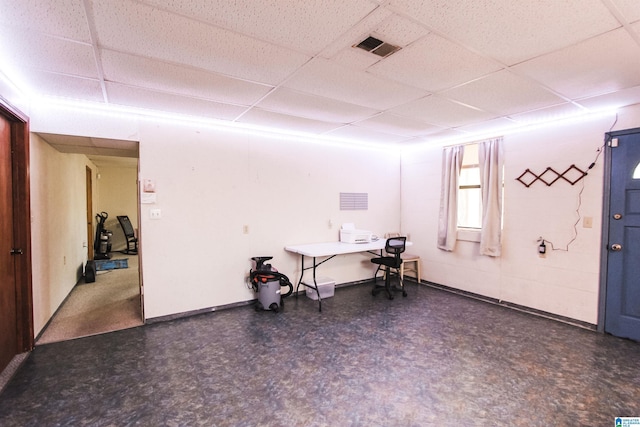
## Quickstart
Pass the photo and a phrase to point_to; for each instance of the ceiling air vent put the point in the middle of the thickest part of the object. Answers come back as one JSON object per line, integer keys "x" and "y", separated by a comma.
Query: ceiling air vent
{"x": 377, "y": 47}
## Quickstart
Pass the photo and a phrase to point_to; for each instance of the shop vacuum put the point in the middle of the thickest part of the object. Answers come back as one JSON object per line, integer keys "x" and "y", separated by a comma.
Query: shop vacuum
{"x": 267, "y": 282}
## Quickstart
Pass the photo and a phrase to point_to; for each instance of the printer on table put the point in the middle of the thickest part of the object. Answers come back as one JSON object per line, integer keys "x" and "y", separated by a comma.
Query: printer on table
{"x": 349, "y": 234}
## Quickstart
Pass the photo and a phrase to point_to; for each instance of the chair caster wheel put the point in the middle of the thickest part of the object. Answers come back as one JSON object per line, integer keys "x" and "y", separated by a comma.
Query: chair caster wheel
{"x": 404, "y": 294}
{"x": 273, "y": 307}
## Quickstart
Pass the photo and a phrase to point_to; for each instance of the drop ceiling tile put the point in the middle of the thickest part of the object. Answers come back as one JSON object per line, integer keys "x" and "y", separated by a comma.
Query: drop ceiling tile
{"x": 447, "y": 135}
{"x": 613, "y": 100}
{"x": 291, "y": 102}
{"x": 441, "y": 112}
{"x": 630, "y": 9}
{"x": 135, "y": 71}
{"x": 398, "y": 125}
{"x": 73, "y": 140}
{"x": 494, "y": 127}
{"x": 300, "y": 25}
{"x": 433, "y": 63}
{"x": 381, "y": 24}
{"x": 147, "y": 31}
{"x": 47, "y": 53}
{"x": 599, "y": 65}
{"x": 285, "y": 122}
{"x": 356, "y": 33}
{"x": 87, "y": 145}
{"x": 557, "y": 112}
{"x": 65, "y": 86}
{"x": 355, "y": 59}
{"x": 62, "y": 18}
{"x": 503, "y": 93}
{"x": 512, "y": 31}
{"x": 180, "y": 105}
{"x": 399, "y": 31}
{"x": 362, "y": 134}
{"x": 325, "y": 78}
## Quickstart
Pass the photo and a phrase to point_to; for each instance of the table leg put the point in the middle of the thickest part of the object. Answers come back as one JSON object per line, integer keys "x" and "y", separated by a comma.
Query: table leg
{"x": 301, "y": 276}
{"x": 316, "y": 285}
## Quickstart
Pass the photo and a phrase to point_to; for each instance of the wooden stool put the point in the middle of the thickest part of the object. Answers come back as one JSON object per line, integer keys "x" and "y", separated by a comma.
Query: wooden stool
{"x": 415, "y": 268}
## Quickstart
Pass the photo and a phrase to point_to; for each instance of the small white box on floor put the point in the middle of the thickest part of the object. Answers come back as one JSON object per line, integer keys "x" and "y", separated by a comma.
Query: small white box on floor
{"x": 326, "y": 287}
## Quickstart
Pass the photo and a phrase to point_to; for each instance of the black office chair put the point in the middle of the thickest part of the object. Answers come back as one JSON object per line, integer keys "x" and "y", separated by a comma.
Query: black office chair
{"x": 393, "y": 247}
{"x": 129, "y": 234}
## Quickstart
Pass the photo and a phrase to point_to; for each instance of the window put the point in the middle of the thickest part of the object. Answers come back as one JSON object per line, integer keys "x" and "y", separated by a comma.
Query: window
{"x": 469, "y": 190}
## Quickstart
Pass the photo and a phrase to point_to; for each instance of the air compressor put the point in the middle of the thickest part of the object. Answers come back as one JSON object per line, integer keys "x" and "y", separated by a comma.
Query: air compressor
{"x": 267, "y": 282}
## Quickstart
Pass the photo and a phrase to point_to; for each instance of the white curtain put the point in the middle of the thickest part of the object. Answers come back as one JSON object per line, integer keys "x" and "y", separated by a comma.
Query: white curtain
{"x": 490, "y": 155}
{"x": 448, "y": 220}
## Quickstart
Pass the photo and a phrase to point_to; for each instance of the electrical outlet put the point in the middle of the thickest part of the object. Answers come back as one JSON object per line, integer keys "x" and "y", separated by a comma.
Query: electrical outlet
{"x": 587, "y": 222}
{"x": 155, "y": 213}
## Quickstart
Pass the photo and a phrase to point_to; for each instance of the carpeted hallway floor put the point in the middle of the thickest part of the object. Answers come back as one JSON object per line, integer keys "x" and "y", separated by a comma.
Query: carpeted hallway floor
{"x": 110, "y": 303}
{"x": 431, "y": 359}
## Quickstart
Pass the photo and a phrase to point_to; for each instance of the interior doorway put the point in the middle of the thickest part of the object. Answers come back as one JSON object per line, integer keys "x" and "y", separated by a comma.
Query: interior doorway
{"x": 113, "y": 301}
{"x": 89, "y": 192}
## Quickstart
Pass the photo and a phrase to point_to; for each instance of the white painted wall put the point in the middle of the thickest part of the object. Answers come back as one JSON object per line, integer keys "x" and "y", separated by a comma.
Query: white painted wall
{"x": 565, "y": 283}
{"x": 58, "y": 226}
{"x": 211, "y": 183}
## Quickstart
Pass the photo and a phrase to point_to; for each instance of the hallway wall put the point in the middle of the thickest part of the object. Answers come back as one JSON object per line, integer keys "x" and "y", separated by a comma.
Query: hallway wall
{"x": 58, "y": 226}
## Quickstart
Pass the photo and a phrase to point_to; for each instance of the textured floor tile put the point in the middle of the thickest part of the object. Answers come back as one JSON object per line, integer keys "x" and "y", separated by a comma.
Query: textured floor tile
{"x": 433, "y": 358}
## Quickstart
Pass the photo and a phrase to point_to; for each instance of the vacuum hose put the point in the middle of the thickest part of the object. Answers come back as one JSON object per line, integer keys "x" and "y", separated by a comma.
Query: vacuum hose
{"x": 266, "y": 275}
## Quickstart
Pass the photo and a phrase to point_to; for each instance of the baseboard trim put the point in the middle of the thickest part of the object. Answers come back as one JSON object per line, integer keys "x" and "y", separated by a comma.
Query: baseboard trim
{"x": 12, "y": 368}
{"x": 184, "y": 314}
{"x": 489, "y": 300}
{"x": 518, "y": 307}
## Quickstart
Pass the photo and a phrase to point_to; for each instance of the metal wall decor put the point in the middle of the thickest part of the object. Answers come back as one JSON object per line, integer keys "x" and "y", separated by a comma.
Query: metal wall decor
{"x": 549, "y": 176}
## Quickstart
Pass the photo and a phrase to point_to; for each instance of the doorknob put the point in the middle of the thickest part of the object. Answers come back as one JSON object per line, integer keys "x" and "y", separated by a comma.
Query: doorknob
{"x": 616, "y": 247}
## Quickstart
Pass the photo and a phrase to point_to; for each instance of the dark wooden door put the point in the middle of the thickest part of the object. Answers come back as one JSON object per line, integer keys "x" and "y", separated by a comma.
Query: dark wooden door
{"x": 8, "y": 308}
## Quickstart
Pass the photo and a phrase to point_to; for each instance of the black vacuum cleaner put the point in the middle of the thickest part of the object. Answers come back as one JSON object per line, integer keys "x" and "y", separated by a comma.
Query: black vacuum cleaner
{"x": 102, "y": 241}
{"x": 267, "y": 281}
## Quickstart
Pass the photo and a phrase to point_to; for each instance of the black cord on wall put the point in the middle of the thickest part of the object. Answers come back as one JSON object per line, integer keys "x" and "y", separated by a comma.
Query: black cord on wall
{"x": 599, "y": 151}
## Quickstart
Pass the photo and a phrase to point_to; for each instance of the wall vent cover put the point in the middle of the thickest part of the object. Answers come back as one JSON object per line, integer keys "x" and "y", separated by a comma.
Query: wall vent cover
{"x": 377, "y": 46}
{"x": 354, "y": 201}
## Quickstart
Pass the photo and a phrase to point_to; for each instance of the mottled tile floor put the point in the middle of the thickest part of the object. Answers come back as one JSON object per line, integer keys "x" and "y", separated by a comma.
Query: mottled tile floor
{"x": 433, "y": 358}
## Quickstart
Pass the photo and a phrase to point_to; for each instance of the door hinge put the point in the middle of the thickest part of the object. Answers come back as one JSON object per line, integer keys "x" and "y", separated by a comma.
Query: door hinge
{"x": 16, "y": 251}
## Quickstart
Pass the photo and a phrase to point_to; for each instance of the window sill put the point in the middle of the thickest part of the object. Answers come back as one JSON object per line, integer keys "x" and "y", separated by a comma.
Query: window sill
{"x": 468, "y": 235}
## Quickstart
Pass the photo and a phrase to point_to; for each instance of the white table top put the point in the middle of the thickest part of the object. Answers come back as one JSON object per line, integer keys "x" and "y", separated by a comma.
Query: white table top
{"x": 336, "y": 248}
